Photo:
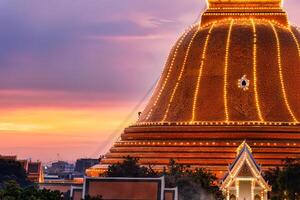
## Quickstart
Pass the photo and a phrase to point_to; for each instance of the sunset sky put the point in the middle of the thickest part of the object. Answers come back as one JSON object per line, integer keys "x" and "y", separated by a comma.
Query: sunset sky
{"x": 72, "y": 70}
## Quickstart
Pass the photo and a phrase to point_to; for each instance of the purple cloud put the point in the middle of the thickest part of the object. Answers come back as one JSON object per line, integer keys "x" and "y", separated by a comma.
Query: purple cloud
{"x": 95, "y": 46}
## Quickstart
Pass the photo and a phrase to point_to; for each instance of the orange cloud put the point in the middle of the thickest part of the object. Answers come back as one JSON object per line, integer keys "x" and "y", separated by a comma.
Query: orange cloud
{"x": 28, "y": 131}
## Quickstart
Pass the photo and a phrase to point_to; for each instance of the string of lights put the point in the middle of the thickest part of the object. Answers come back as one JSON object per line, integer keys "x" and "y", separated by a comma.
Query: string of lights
{"x": 213, "y": 123}
{"x": 226, "y": 71}
{"x": 203, "y": 143}
{"x": 254, "y": 71}
{"x": 242, "y": 14}
{"x": 244, "y": 8}
{"x": 243, "y": 19}
{"x": 244, "y": 159}
{"x": 295, "y": 40}
{"x": 181, "y": 72}
{"x": 281, "y": 74}
{"x": 169, "y": 71}
{"x": 200, "y": 73}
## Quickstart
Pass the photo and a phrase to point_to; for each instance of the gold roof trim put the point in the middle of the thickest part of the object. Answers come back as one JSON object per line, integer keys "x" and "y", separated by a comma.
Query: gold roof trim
{"x": 252, "y": 9}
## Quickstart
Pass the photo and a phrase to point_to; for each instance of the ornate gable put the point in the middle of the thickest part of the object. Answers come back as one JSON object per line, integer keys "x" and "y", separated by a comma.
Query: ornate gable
{"x": 244, "y": 168}
{"x": 245, "y": 171}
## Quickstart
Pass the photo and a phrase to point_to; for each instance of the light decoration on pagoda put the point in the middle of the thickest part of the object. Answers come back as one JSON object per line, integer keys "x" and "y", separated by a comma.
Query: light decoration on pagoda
{"x": 281, "y": 74}
{"x": 296, "y": 41}
{"x": 254, "y": 71}
{"x": 237, "y": 185}
{"x": 244, "y": 83}
{"x": 227, "y": 121}
{"x": 227, "y": 195}
{"x": 211, "y": 123}
{"x": 170, "y": 68}
{"x": 252, "y": 189}
{"x": 237, "y": 10}
{"x": 226, "y": 71}
{"x": 244, "y": 8}
{"x": 225, "y": 20}
{"x": 200, "y": 72}
{"x": 181, "y": 71}
{"x": 242, "y": 14}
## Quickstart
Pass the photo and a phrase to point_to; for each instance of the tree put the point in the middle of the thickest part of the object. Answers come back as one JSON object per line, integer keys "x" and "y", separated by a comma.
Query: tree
{"x": 88, "y": 197}
{"x": 13, "y": 191}
{"x": 12, "y": 170}
{"x": 285, "y": 182}
{"x": 129, "y": 168}
{"x": 14, "y": 184}
{"x": 192, "y": 184}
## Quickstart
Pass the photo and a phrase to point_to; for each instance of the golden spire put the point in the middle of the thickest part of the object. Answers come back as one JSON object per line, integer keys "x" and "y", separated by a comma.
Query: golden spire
{"x": 244, "y": 9}
{"x": 244, "y": 3}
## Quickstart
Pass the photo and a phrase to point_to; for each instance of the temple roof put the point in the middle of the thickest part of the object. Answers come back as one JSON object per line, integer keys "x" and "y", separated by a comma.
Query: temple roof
{"x": 244, "y": 166}
{"x": 244, "y": 147}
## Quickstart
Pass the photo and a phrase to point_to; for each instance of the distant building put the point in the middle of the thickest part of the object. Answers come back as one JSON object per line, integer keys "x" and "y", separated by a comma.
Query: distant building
{"x": 63, "y": 186}
{"x": 5, "y": 157}
{"x": 34, "y": 170}
{"x": 85, "y": 163}
{"x": 62, "y": 169}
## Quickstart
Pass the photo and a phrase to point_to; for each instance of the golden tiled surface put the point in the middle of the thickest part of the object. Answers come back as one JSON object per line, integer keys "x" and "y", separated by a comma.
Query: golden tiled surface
{"x": 271, "y": 64}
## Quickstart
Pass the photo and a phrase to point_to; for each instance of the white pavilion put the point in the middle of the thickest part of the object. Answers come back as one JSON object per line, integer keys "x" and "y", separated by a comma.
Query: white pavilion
{"x": 244, "y": 180}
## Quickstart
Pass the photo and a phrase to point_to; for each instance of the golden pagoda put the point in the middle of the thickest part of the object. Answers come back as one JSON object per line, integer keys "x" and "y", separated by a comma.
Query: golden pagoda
{"x": 233, "y": 76}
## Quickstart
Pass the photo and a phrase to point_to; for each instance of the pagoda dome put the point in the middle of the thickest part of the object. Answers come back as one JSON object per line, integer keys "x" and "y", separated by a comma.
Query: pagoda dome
{"x": 230, "y": 70}
{"x": 234, "y": 76}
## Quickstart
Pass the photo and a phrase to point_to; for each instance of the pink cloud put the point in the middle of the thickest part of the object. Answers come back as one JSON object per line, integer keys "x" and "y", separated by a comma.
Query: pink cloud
{"x": 83, "y": 62}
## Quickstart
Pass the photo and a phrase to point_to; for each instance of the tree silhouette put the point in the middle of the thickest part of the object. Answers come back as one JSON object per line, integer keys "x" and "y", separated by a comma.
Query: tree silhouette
{"x": 12, "y": 170}
{"x": 285, "y": 182}
{"x": 129, "y": 168}
{"x": 13, "y": 191}
{"x": 192, "y": 184}
{"x": 88, "y": 197}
